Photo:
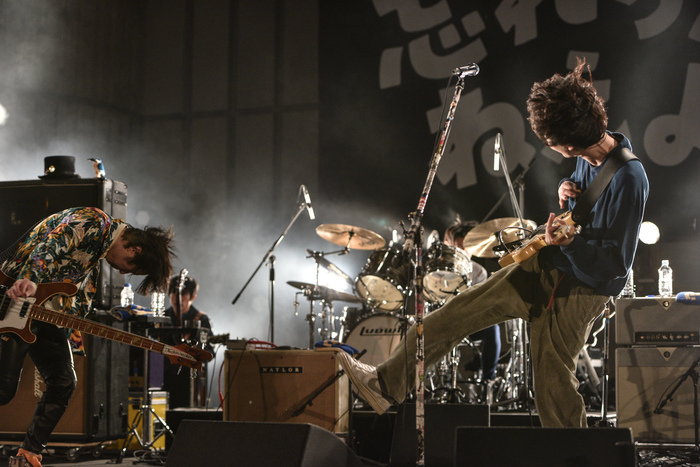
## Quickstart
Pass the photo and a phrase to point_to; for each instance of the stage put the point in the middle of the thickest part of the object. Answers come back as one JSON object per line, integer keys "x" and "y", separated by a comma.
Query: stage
{"x": 378, "y": 442}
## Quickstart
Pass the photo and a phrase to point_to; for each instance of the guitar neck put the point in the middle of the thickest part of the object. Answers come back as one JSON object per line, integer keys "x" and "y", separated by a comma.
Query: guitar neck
{"x": 47, "y": 315}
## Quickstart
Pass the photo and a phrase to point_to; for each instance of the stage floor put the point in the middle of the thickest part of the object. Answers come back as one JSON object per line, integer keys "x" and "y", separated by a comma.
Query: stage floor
{"x": 373, "y": 444}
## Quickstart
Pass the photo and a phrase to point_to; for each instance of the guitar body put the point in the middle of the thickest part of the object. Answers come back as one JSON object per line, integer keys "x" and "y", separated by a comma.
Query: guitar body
{"x": 16, "y": 317}
{"x": 535, "y": 243}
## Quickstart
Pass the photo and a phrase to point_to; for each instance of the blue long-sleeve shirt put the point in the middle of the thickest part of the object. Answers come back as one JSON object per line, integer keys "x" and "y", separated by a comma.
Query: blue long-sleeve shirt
{"x": 603, "y": 254}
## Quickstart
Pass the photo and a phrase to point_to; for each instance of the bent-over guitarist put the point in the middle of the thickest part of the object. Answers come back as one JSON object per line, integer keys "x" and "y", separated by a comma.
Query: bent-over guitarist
{"x": 67, "y": 247}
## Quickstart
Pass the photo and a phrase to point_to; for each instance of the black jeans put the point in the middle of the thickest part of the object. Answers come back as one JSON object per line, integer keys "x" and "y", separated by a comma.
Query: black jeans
{"x": 53, "y": 358}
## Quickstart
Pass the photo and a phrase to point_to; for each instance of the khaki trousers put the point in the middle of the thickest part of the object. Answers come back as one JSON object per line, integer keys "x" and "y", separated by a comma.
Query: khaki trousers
{"x": 560, "y": 309}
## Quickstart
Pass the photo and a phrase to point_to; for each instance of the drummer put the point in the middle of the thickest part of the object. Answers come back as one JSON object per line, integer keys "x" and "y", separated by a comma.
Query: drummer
{"x": 490, "y": 337}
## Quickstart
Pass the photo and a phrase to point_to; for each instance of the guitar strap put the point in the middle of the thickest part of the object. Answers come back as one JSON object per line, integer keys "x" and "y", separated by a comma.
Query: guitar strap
{"x": 589, "y": 197}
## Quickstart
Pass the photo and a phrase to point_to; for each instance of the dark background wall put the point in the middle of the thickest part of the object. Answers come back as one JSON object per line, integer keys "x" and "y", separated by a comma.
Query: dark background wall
{"x": 214, "y": 112}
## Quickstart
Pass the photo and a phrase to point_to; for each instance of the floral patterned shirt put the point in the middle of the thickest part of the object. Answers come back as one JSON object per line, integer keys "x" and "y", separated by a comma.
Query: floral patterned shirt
{"x": 67, "y": 247}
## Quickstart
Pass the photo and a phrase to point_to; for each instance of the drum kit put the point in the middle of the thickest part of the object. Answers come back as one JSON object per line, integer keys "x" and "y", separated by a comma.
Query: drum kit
{"x": 382, "y": 296}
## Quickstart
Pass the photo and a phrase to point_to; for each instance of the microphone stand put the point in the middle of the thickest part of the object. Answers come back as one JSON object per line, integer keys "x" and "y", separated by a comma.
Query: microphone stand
{"x": 414, "y": 244}
{"x": 693, "y": 373}
{"x": 267, "y": 256}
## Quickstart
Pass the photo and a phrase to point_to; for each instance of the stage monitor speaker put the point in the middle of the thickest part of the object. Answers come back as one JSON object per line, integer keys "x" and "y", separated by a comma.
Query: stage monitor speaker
{"x": 441, "y": 420}
{"x": 291, "y": 386}
{"x": 24, "y": 203}
{"x": 645, "y": 376}
{"x": 98, "y": 408}
{"x": 551, "y": 447}
{"x": 257, "y": 444}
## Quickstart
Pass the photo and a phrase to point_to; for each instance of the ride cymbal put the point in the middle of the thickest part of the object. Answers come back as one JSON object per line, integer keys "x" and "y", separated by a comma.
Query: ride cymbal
{"x": 349, "y": 236}
{"x": 480, "y": 240}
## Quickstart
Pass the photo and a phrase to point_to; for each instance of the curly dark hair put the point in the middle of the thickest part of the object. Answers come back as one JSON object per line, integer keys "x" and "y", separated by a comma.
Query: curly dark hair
{"x": 567, "y": 110}
{"x": 154, "y": 260}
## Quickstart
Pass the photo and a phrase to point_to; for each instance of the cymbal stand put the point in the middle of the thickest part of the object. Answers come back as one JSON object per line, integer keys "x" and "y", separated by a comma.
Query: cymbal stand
{"x": 515, "y": 387}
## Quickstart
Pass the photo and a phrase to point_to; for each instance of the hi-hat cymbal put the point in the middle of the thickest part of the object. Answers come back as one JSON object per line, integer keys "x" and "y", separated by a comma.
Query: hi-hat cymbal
{"x": 480, "y": 240}
{"x": 349, "y": 236}
{"x": 321, "y": 292}
{"x": 320, "y": 259}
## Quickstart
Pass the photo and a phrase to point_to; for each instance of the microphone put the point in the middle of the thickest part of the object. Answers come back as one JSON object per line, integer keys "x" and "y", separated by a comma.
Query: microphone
{"x": 307, "y": 201}
{"x": 496, "y": 152}
{"x": 467, "y": 70}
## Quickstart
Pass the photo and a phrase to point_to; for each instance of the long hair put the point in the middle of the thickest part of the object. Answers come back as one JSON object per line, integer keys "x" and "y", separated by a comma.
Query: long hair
{"x": 567, "y": 110}
{"x": 154, "y": 260}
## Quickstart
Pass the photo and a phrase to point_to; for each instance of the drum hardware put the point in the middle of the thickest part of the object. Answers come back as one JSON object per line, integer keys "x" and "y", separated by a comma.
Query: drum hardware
{"x": 350, "y": 237}
{"x": 327, "y": 317}
{"x": 514, "y": 387}
{"x": 482, "y": 239}
{"x": 448, "y": 272}
{"x": 318, "y": 256}
{"x": 383, "y": 282}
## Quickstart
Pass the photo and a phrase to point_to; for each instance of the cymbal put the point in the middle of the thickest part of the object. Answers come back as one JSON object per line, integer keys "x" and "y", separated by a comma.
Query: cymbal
{"x": 349, "y": 236}
{"x": 320, "y": 259}
{"x": 322, "y": 292}
{"x": 480, "y": 240}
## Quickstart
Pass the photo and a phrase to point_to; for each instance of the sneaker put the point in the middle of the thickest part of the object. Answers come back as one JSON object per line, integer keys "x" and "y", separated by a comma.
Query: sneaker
{"x": 364, "y": 378}
{"x": 33, "y": 459}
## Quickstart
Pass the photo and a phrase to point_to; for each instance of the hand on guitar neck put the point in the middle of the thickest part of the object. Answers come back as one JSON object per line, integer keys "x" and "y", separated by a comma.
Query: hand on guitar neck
{"x": 559, "y": 230}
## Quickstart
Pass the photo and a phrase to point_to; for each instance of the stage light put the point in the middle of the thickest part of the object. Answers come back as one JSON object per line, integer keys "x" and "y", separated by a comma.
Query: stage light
{"x": 649, "y": 233}
{"x": 3, "y": 115}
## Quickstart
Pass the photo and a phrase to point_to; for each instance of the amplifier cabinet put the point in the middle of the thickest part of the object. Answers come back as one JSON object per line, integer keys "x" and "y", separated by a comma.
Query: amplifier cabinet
{"x": 275, "y": 385}
{"x": 645, "y": 376}
{"x": 24, "y": 203}
{"x": 98, "y": 408}
{"x": 656, "y": 321}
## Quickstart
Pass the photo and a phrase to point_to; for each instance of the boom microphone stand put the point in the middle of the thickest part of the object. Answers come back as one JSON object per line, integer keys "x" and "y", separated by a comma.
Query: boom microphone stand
{"x": 305, "y": 205}
{"x": 414, "y": 244}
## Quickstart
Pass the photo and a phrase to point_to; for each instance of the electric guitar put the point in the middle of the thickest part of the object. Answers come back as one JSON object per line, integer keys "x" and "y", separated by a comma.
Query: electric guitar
{"x": 534, "y": 243}
{"x": 16, "y": 316}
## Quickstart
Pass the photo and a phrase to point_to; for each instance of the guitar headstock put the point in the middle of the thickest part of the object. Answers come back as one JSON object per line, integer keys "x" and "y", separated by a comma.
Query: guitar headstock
{"x": 188, "y": 356}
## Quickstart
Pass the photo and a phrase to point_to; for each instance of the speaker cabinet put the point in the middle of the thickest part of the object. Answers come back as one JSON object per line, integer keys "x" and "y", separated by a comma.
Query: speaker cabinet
{"x": 257, "y": 444}
{"x": 535, "y": 447}
{"x": 645, "y": 376}
{"x": 291, "y": 386}
{"x": 24, "y": 203}
{"x": 441, "y": 421}
{"x": 98, "y": 409}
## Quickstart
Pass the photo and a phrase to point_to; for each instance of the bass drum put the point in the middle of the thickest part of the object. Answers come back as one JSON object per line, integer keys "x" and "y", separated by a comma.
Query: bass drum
{"x": 378, "y": 335}
{"x": 383, "y": 280}
{"x": 446, "y": 273}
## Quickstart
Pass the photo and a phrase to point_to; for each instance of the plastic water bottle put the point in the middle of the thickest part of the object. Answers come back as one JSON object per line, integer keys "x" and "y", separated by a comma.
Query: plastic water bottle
{"x": 665, "y": 279}
{"x": 628, "y": 290}
{"x": 127, "y": 295}
{"x": 158, "y": 303}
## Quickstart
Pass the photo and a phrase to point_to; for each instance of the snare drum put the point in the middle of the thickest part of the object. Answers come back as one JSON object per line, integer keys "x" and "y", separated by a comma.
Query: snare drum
{"x": 383, "y": 280}
{"x": 446, "y": 273}
{"x": 378, "y": 335}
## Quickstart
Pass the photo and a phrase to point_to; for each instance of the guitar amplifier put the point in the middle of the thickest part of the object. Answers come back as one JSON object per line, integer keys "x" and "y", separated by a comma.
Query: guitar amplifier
{"x": 645, "y": 377}
{"x": 291, "y": 386}
{"x": 98, "y": 408}
{"x": 24, "y": 203}
{"x": 656, "y": 321}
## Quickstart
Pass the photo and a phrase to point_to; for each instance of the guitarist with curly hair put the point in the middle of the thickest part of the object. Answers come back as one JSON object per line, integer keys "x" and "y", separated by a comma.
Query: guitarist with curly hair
{"x": 66, "y": 248}
{"x": 561, "y": 288}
